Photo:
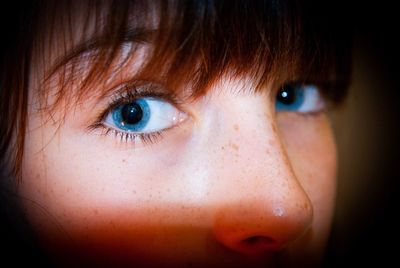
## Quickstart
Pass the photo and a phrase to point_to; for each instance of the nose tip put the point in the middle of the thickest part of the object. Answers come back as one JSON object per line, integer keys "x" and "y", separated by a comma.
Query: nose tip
{"x": 250, "y": 233}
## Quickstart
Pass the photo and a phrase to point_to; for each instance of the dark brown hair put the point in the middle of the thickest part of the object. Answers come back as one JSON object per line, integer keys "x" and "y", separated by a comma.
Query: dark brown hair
{"x": 192, "y": 42}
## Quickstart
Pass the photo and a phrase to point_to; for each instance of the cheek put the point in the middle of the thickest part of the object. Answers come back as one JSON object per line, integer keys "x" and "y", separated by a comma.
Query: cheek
{"x": 107, "y": 199}
{"x": 311, "y": 149}
{"x": 77, "y": 172}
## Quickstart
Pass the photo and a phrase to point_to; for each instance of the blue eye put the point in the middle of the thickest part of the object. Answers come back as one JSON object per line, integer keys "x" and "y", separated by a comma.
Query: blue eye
{"x": 299, "y": 98}
{"x": 144, "y": 115}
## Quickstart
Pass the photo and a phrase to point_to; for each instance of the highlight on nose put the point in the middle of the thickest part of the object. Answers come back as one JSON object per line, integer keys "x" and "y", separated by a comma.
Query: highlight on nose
{"x": 255, "y": 230}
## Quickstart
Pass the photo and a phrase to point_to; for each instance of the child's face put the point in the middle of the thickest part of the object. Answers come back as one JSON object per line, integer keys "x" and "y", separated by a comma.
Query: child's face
{"x": 230, "y": 181}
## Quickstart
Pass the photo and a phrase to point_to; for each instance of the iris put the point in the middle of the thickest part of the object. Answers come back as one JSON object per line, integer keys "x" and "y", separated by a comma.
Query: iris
{"x": 290, "y": 98}
{"x": 132, "y": 116}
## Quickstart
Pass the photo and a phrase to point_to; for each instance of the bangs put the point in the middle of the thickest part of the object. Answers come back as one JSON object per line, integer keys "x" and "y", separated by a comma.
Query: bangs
{"x": 188, "y": 45}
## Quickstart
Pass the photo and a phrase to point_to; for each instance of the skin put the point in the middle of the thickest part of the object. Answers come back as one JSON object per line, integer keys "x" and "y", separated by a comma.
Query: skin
{"x": 233, "y": 183}
{"x": 229, "y": 172}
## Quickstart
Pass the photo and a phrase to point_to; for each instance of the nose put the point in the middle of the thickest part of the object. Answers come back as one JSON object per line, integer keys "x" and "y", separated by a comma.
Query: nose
{"x": 255, "y": 226}
{"x": 262, "y": 206}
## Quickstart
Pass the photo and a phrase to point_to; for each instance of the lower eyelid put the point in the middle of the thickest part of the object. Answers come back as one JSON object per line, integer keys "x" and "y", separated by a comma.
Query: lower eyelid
{"x": 291, "y": 119}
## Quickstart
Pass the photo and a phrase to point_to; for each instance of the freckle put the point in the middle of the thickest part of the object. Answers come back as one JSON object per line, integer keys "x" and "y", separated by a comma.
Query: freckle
{"x": 234, "y": 146}
{"x": 222, "y": 147}
{"x": 123, "y": 160}
{"x": 236, "y": 127}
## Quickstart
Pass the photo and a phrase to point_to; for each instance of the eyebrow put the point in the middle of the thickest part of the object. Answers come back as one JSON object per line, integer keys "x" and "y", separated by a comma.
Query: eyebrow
{"x": 95, "y": 42}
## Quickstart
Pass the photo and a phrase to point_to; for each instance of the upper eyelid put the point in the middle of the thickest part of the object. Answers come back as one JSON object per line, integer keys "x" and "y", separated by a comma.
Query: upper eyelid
{"x": 139, "y": 89}
{"x": 322, "y": 88}
{"x": 329, "y": 89}
{"x": 132, "y": 91}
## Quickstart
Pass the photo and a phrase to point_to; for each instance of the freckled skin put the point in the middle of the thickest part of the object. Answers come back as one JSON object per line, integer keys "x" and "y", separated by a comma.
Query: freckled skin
{"x": 234, "y": 146}
{"x": 256, "y": 195}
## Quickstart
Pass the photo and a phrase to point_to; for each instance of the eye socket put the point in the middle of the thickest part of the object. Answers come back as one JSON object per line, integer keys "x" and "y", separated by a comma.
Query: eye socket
{"x": 143, "y": 115}
{"x": 299, "y": 98}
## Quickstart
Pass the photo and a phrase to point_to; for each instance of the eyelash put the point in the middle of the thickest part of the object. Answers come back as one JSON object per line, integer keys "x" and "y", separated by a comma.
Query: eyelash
{"x": 127, "y": 94}
{"x": 145, "y": 138}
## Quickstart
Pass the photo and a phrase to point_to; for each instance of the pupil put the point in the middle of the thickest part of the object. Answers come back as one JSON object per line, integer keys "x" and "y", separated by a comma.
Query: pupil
{"x": 287, "y": 95}
{"x": 131, "y": 113}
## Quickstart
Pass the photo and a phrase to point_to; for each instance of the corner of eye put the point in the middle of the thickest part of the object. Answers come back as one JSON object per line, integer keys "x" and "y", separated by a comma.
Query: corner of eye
{"x": 186, "y": 113}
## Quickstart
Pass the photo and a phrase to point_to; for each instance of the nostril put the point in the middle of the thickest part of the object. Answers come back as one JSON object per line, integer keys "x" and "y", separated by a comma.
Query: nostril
{"x": 258, "y": 240}
{"x": 256, "y": 245}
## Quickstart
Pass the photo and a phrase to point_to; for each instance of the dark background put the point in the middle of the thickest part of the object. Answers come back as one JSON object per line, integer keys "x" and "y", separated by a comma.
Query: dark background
{"x": 366, "y": 226}
{"x": 366, "y": 229}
